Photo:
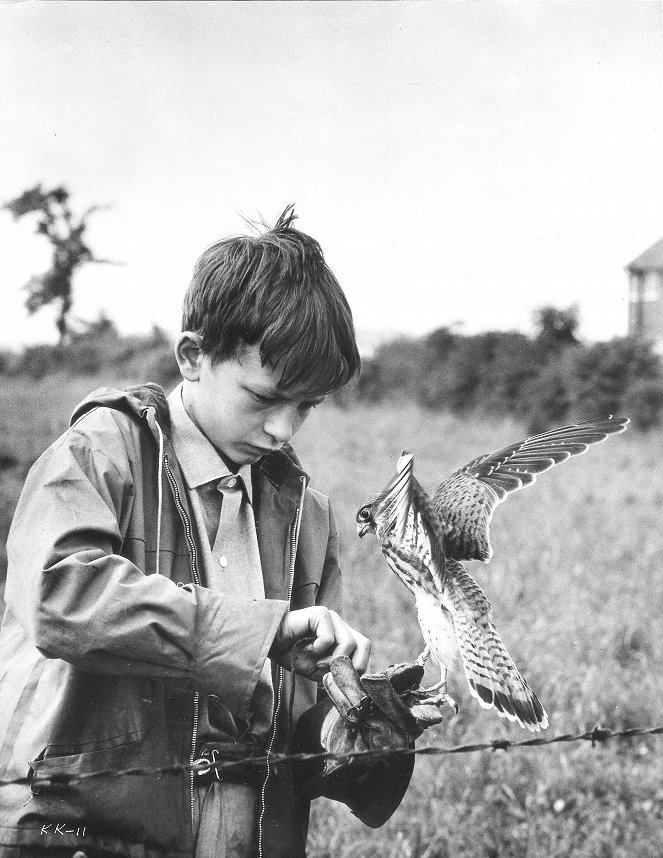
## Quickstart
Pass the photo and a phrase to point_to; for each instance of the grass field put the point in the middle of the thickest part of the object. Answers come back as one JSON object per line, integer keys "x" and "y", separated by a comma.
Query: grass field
{"x": 577, "y": 594}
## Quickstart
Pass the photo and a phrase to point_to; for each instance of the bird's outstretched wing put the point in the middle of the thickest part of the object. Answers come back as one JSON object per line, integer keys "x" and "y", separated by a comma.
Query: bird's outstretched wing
{"x": 466, "y": 501}
{"x": 493, "y": 677}
{"x": 409, "y": 530}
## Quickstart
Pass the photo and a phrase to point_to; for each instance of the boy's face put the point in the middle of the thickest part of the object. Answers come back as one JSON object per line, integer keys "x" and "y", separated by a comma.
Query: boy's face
{"x": 237, "y": 405}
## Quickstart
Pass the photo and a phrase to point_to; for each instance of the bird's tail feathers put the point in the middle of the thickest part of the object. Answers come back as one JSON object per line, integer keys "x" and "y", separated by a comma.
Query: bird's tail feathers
{"x": 492, "y": 676}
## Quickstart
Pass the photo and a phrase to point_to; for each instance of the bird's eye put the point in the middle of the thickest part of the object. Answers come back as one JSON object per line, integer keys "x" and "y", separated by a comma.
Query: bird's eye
{"x": 364, "y": 514}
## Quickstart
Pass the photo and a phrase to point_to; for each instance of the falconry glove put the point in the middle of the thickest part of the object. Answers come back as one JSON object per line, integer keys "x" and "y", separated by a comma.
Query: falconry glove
{"x": 369, "y": 713}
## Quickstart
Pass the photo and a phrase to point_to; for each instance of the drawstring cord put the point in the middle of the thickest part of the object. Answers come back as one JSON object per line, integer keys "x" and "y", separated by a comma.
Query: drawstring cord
{"x": 160, "y": 493}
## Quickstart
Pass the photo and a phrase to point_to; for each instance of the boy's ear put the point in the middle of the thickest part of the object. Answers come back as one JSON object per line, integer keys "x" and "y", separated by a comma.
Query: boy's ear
{"x": 189, "y": 354}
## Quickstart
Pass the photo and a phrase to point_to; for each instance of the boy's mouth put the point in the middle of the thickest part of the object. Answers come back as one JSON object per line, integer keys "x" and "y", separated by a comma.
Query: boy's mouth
{"x": 262, "y": 451}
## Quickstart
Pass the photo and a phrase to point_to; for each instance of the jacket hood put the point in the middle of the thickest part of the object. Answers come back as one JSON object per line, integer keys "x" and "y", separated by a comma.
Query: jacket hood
{"x": 135, "y": 401}
{"x": 147, "y": 402}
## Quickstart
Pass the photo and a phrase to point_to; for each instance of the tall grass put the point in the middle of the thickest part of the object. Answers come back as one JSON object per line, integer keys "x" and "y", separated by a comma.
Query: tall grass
{"x": 577, "y": 594}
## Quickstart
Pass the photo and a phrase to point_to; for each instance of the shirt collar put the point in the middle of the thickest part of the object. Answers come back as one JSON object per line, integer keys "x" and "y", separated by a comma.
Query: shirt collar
{"x": 198, "y": 458}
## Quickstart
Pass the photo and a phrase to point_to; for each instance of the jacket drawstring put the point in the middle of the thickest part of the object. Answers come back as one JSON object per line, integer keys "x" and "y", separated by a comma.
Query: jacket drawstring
{"x": 160, "y": 493}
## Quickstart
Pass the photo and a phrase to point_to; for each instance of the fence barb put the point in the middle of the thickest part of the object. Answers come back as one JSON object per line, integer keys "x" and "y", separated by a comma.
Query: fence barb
{"x": 598, "y": 735}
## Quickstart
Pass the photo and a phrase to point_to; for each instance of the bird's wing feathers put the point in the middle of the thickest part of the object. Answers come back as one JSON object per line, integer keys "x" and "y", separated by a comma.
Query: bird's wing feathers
{"x": 393, "y": 504}
{"x": 409, "y": 526}
{"x": 493, "y": 678}
{"x": 466, "y": 501}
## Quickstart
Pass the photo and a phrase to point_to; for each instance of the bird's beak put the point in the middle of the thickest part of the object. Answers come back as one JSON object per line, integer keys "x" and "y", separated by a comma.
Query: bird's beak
{"x": 362, "y": 530}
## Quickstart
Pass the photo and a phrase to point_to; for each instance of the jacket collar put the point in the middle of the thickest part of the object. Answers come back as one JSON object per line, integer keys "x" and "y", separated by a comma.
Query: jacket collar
{"x": 148, "y": 403}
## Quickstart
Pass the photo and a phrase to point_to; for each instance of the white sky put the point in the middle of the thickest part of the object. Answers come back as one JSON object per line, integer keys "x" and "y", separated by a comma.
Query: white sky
{"x": 457, "y": 161}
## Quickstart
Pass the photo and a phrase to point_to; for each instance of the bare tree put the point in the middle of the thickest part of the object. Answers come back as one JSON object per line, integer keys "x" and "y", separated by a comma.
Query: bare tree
{"x": 65, "y": 232}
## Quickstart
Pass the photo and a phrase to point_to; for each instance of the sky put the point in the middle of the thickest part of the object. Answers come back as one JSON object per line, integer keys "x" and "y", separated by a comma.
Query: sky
{"x": 460, "y": 163}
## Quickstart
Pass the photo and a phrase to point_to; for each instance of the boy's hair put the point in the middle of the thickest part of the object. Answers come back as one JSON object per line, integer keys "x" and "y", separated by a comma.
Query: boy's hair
{"x": 274, "y": 290}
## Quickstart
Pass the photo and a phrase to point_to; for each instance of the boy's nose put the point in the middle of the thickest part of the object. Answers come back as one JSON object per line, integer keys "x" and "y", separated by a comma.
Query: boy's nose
{"x": 279, "y": 425}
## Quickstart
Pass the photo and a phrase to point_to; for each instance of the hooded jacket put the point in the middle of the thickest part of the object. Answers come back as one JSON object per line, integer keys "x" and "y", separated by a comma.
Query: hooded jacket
{"x": 109, "y": 640}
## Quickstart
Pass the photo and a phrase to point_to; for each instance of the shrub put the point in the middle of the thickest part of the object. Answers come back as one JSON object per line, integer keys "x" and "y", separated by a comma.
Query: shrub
{"x": 644, "y": 402}
{"x": 393, "y": 370}
{"x": 487, "y": 372}
{"x": 546, "y": 398}
{"x": 620, "y": 376}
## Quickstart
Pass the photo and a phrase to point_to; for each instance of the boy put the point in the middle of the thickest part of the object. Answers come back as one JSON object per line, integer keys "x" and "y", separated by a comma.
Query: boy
{"x": 167, "y": 561}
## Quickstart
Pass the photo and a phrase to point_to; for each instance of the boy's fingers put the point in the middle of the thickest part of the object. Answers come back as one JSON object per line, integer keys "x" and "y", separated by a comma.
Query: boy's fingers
{"x": 362, "y": 654}
{"x": 323, "y": 628}
{"x": 347, "y": 642}
{"x": 322, "y": 636}
{"x": 306, "y": 624}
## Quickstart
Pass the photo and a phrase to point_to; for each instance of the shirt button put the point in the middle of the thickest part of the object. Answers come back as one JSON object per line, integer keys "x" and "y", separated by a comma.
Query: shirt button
{"x": 223, "y": 561}
{"x": 232, "y": 482}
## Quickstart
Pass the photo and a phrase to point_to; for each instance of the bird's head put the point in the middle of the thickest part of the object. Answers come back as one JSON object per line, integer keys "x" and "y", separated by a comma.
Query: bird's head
{"x": 365, "y": 519}
{"x": 380, "y": 512}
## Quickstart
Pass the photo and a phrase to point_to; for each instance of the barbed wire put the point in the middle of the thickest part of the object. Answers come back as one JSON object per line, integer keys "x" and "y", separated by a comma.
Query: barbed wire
{"x": 598, "y": 735}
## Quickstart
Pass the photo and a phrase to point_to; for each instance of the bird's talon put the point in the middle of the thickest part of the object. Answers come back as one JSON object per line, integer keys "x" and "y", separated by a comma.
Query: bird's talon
{"x": 440, "y": 701}
{"x": 439, "y": 686}
{"x": 420, "y": 694}
{"x": 436, "y": 695}
{"x": 423, "y": 657}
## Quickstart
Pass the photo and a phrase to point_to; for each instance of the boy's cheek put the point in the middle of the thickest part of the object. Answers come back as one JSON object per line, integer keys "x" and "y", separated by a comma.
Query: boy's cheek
{"x": 299, "y": 422}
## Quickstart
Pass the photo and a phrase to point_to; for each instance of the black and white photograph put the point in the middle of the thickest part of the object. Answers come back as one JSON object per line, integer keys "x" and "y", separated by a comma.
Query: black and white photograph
{"x": 297, "y": 297}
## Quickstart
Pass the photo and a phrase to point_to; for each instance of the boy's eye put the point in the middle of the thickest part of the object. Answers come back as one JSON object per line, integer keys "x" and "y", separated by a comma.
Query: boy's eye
{"x": 305, "y": 405}
{"x": 263, "y": 400}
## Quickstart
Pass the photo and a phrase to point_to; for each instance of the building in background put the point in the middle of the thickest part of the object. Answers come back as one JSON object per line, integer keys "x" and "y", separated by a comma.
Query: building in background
{"x": 646, "y": 296}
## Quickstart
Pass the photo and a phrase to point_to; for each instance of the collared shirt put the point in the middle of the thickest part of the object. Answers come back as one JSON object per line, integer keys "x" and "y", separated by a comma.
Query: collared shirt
{"x": 222, "y": 506}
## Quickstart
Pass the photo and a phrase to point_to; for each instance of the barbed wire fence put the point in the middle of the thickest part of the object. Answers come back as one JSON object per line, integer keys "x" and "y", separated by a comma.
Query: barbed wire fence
{"x": 597, "y": 736}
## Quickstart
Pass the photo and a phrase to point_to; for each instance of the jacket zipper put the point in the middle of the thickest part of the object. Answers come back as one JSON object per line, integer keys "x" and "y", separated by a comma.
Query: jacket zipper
{"x": 196, "y": 580}
{"x": 294, "y": 539}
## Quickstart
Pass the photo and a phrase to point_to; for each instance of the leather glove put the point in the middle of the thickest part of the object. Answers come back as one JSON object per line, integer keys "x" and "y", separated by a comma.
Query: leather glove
{"x": 372, "y": 712}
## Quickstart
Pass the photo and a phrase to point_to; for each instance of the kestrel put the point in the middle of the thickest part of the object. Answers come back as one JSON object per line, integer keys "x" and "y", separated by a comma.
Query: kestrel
{"x": 425, "y": 539}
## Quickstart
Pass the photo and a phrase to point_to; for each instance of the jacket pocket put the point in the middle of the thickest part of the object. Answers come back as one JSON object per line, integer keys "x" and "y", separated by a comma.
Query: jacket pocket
{"x": 92, "y": 788}
{"x": 84, "y": 758}
{"x": 59, "y": 765}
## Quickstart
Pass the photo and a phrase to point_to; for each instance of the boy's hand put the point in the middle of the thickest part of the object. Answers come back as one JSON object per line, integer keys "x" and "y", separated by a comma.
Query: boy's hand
{"x": 308, "y": 639}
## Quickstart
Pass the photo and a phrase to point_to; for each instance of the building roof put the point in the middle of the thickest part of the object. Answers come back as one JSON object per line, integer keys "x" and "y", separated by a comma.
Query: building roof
{"x": 650, "y": 260}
